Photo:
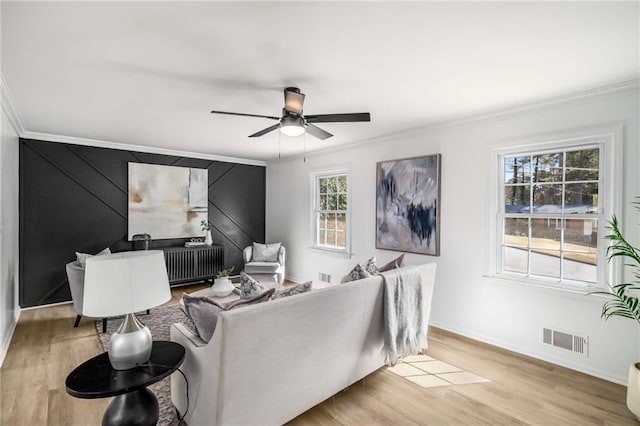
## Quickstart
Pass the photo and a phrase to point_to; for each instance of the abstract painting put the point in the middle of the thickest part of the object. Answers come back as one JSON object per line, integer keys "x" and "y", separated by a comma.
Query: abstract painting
{"x": 408, "y": 205}
{"x": 167, "y": 201}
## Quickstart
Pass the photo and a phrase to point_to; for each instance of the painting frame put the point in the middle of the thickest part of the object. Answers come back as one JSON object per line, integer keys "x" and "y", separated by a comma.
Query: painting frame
{"x": 166, "y": 201}
{"x": 408, "y": 204}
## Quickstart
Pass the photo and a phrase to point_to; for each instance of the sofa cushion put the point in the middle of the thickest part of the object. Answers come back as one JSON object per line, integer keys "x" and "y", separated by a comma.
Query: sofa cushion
{"x": 262, "y": 267}
{"x": 82, "y": 257}
{"x": 204, "y": 311}
{"x": 300, "y": 288}
{"x": 250, "y": 287}
{"x": 398, "y": 262}
{"x": 265, "y": 252}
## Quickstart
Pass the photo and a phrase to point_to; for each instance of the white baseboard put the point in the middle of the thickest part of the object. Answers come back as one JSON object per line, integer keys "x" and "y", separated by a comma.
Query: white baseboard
{"x": 4, "y": 346}
{"x": 622, "y": 380}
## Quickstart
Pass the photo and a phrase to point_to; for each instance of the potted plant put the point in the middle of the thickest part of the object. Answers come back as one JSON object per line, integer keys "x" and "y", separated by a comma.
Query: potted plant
{"x": 222, "y": 286}
{"x": 206, "y": 226}
{"x": 623, "y": 301}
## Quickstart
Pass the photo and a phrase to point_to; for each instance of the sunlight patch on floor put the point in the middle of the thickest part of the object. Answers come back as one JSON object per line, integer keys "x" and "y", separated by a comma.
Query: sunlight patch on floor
{"x": 428, "y": 372}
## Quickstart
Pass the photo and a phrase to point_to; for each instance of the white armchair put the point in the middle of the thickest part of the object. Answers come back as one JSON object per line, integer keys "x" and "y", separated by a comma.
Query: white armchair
{"x": 265, "y": 271}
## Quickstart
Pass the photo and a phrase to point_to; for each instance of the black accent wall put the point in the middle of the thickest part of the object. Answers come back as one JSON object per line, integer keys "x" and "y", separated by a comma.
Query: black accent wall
{"x": 74, "y": 198}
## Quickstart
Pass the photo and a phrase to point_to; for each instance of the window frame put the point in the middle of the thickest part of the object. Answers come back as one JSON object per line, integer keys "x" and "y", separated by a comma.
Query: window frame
{"x": 315, "y": 211}
{"x": 609, "y": 178}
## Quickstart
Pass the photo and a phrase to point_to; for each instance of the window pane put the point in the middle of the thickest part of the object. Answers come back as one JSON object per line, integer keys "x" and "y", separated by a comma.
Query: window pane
{"x": 515, "y": 259}
{"x": 342, "y": 183}
{"x": 331, "y": 238}
{"x": 341, "y": 239}
{"x": 342, "y": 202}
{"x": 332, "y": 202}
{"x": 516, "y": 198}
{"x": 575, "y": 269}
{"x": 323, "y": 185}
{"x": 516, "y": 232}
{"x": 545, "y": 233}
{"x": 547, "y": 167}
{"x": 517, "y": 169}
{"x": 581, "y": 235}
{"x": 332, "y": 185}
{"x": 322, "y": 237}
{"x": 545, "y": 263}
{"x": 547, "y": 198}
{"x": 331, "y": 221}
{"x": 322, "y": 221}
{"x": 582, "y": 165}
{"x": 341, "y": 222}
{"x": 323, "y": 202}
{"x": 581, "y": 198}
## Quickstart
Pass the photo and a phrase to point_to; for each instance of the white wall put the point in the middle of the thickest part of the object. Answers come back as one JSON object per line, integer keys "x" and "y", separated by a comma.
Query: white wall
{"x": 8, "y": 232}
{"x": 465, "y": 301}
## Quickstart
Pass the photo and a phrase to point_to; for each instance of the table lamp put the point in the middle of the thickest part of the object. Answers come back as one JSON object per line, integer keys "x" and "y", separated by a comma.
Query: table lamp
{"x": 122, "y": 284}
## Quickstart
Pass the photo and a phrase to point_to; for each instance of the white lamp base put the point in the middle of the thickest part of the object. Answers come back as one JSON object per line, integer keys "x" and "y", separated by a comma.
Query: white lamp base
{"x": 130, "y": 346}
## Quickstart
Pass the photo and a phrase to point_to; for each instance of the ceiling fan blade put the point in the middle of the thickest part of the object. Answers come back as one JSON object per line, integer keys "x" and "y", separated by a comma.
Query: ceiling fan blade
{"x": 293, "y": 100}
{"x": 318, "y": 132}
{"x": 265, "y": 131}
{"x": 338, "y": 118}
{"x": 242, "y": 114}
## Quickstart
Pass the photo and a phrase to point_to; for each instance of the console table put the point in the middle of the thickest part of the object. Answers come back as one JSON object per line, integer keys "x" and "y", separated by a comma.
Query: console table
{"x": 133, "y": 404}
{"x": 186, "y": 264}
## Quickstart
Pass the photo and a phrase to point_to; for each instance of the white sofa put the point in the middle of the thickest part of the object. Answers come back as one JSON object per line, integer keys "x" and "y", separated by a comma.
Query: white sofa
{"x": 270, "y": 362}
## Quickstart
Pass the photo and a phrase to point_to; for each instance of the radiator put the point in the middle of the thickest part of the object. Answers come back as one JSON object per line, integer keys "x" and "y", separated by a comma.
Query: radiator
{"x": 186, "y": 264}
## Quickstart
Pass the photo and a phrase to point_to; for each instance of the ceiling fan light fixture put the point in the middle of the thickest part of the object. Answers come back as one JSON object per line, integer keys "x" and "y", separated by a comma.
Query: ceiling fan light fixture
{"x": 292, "y": 126}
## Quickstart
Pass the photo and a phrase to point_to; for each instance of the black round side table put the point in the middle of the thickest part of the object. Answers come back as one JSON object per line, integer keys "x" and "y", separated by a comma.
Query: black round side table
{"x": 133, "y": 404}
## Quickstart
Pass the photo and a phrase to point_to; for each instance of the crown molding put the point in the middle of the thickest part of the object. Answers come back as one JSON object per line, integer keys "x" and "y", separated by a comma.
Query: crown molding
{"x": 587, "y": 94}
{"x": 138, "y": 148}
{"x": 9, "y": 107}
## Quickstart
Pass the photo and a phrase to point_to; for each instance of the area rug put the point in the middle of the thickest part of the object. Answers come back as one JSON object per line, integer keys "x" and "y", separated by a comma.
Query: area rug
{"x": 159, "y": 322}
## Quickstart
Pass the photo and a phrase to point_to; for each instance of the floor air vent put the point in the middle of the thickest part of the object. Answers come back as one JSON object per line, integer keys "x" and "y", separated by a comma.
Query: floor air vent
{"x": 570, "y": 342}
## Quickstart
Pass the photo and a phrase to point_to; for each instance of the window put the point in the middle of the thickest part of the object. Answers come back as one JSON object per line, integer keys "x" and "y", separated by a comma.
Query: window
{"x": 551, "y": 214}
{"x": 331, "y": 211}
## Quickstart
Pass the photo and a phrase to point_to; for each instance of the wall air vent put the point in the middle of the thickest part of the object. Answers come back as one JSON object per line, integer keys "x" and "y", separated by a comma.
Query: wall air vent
{"x": 570, "y": 342}
{"x": 324, "y": 277}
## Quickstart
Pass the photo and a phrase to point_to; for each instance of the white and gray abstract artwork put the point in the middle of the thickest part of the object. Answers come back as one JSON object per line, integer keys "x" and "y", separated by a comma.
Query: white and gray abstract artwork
{"x": 407, "y": 205}
{"x": 167, "y": 201}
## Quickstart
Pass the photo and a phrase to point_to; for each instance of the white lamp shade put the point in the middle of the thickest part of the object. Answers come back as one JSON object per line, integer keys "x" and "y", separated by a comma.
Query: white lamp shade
{"x": 123, "y": 283}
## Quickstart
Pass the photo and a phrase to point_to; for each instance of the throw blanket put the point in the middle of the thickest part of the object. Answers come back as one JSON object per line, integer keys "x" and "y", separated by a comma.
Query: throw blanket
{"x": 405, "y": 325}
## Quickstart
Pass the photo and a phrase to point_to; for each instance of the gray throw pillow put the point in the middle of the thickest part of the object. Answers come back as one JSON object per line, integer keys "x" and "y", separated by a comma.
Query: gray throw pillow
{"x": 82, "y": 257}
{"x": 249, "y": 287}
{"x": 204, "y": 311}
{"x": 371, "y": 266}
{"x": 357, "y": 273}
{"x": 398, "y": 262}
{"x": 265, "y": 252}
{"x": 300, "y": 288}
{"x": 263, "y": 297}
{"x": 204, "y": 314}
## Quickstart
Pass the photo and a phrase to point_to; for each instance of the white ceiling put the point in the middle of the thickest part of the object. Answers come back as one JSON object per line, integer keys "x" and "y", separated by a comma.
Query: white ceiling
{"x": 148, "y": 73}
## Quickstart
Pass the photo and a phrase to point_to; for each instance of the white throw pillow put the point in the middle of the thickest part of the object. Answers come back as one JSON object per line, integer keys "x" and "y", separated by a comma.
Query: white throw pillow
{"x": 82, "y": 257}
{"x": 265, "y": 252}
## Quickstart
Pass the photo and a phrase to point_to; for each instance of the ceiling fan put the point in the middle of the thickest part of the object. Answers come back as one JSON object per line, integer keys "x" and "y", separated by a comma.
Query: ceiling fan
{"x": 294, "y": 123}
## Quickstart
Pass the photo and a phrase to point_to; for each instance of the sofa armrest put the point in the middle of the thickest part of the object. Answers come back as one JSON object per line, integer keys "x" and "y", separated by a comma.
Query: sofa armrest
{"x": 246, "y": 253}
{"x": 281, "y": 255}
{"x": 182, "y": 332}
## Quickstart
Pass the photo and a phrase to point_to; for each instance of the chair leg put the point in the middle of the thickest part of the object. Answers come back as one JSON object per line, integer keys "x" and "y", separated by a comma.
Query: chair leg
{"x": 104, "y": 325}
{"x": 147, "y": 311}
{"x": 77, "y": 321}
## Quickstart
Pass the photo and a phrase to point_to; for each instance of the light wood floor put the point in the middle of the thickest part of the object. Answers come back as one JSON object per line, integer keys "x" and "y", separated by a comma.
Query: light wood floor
{"x": 46, "y": 347}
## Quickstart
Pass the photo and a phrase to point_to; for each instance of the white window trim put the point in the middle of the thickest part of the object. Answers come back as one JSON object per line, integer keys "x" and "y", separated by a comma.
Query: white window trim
{"x": 611, "y": 138}
{"x": 314, "y": 176}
